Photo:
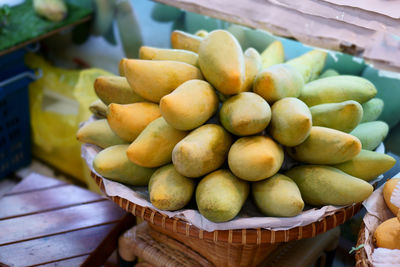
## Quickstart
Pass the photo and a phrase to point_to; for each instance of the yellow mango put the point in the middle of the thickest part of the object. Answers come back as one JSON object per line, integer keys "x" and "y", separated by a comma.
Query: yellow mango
{"x": 202, "y": 151}
{"x": 291, "y": 121}
{"x": 186, "y": 41}
{"x": 115, "y": 89}
{"x": 324, "y": 185}
{"x": 128, "y": 120}
{"x": 388, "y": 189}
{"x": 371, "y": 134}
{"x": 153, "y": 79}
{"x": 252, "y": 61}
{"x": 309, "y": 64}
{"x": 154, "y": 145}
{"x": 278, "y": 196}
{"x": 343, "y": 116}
{"x": 255, "y": 158}
{"x": 121, "y": 67}
{"x": 372, "y": 109}
{"x": 152, "y": 53}
{"x": 277, "y": 82}
{"x": 222, "y": 62}
{"x": 367, "y": 165}
{"x": 387, "y": 234}
{"x": 98, "y": 108}
{"x": 201, "y": 33}
{"x": 236, "y": 116}
{"x": 190, "y": 105}
{"x": 326, "y": 146}
{"x": 170, "y": 190}
{"x": 272, "y": 55}
{"x": 98, "y": 133}
{"x": 112, "y": 163}
{"x": 220, "y": 196}
{"x": 337, "y": 89}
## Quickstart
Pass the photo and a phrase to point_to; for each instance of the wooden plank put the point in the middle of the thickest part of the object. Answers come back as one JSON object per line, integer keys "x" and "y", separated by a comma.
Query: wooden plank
{"x": 35, "y": 182}
{"x": 45, "y": 200}
{"x": 54, "y": 248}
{"x": 59, "y": 221}
{"x": 76, "y": 261}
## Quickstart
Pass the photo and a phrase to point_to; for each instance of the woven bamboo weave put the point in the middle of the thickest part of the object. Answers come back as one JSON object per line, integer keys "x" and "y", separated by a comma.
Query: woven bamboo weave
{"x": 361, "y": 254}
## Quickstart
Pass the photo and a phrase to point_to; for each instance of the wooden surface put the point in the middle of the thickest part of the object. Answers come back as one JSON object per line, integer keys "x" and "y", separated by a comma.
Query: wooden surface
{"x": 48, "y": 222}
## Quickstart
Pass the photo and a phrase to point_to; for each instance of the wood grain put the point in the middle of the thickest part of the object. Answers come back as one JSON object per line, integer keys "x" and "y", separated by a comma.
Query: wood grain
{"x": 76, "y": 261}
{"x": 35, "y": 182}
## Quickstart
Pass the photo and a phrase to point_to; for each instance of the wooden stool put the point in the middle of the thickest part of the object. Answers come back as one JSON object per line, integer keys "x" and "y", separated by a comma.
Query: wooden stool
{"x": 47, "y": 222}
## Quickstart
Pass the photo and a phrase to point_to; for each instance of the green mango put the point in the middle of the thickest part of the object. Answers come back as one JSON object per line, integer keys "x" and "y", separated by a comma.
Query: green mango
{"x": 98, "y": 108}
{"x": 153, "y": 53}
{"x": 272, "y": 55}
{"x": 328, "y": 73}
{"x": 371, "y": 134}
{"x": 309, "y": 64}
{"x": 372, "y": 109}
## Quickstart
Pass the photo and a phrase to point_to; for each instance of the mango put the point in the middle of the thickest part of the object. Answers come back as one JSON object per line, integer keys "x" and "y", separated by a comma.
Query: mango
{"x": 372, "y": 109}
{"x": 343, "y": 116}
{"x": 252, "y": 61}
{"x": 128, "y": 120}
{"x": 190, "y": 105}
{"x": 291, "y": 121}
{"x": 326, "y": 146}
{"x": 371, "y": 134}
{"x": 222, "y": 62}
{"x": 121, "y": 67}
{"x": 220, "y": 196}
{"x": 273, "y": 54}
{"x": 169, "y": 190}
{"x": 98, "y": 133}
{"x": 152, "y": 53}
{"x": 185, "y": 41}
{"x": 328, "y": 73}
{"x": 277, "y": 82}
{"x": 238, "y": 118}
{"x": 202, "y": 151}
{"x": 98, "y": 108}
{"x": 309, "y": 65}
{"x": 201, "y": 33}
{"x": 387, "y": 234}
{"x": 154, "y": 145}
{"x": 278, "y": 196}
{"x": 337, "y": 89}
{"x": 367, "y": 165}
{"x": 153, "y": 79}
{"x": 115, "y": 89}
{"x": 255, "y": 158}
{"x": 112, "y": 163}
{"x": 324, "y": 185}
{"x": 388, "y": 189}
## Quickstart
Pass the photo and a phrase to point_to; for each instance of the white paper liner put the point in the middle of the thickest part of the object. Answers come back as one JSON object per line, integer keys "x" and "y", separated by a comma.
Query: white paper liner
{"x": 384, "y": 257}
{"x": 395, "y": 198}
{"x": 377, "y": 212}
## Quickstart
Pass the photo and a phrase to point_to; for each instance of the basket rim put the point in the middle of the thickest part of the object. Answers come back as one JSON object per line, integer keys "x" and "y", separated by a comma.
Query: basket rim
{"x": 238, "y": 236}
{"x": 361, "y": 255}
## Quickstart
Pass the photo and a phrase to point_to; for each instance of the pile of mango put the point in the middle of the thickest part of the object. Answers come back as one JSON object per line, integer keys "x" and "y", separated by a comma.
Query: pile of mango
{"x": 209, "y": 120}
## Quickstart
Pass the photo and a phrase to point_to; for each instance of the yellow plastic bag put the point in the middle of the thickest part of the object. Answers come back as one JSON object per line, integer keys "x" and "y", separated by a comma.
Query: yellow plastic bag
{"x": 59, "y": 101}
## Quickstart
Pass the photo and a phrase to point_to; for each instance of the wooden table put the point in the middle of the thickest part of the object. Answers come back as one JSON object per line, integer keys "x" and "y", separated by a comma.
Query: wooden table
{"x": 47, "y": 222}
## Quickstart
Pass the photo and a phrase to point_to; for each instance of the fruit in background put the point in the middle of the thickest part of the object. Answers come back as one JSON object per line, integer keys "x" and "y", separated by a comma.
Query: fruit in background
{"x": 371, "y": 134}
{"x": 115, "y": 89}
{"x": 291, "y": 121}
{"x": 326, "y": 146}
{"x": 129, "y": 120}
{"x": 272, "y": 55}
{"x": 201, "y": 33}
{"x": 220, "y": 195}
{"x": 186, "y": 41}
{"x": 387, "y": 234}
{"x": 98, "y": 108}
{"x": 372, "y": 109}
{"x": 255, "y": 158}
{"x": 388, "y": 189}
{"x": 367, "y": 165}
{"x": 324, "y": 185}
{"x": 277, "y": 82}
{"x": 152, "y": 53}
{"x": 154, "y": 145}
{"x": 104, "y": 11}
{"x": 54, "y": 10}
{"x": 153, "y": 79}
{"x": 252, "y": 61}
{"x": 309, "y": 64}
{"x": 190, "y": 105}
{"x": 98, "y": 133}
{"x": 236, "y": 116}
{"x": 202, "y": 151}
{"x": 222, "y": 62}
{"x": 343, "y": 116}
{"x": 337, "y": 89}
{"x": 112, "y": 163}
{"x": 278, "y": 196}
{"x": 328, "y": 73}
{"x": 170, "y": 190}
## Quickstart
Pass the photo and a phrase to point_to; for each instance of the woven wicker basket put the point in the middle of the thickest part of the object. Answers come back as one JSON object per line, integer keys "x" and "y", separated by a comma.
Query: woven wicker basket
{"x": 244, "y": 247}
{"x": 361, "y": 254}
